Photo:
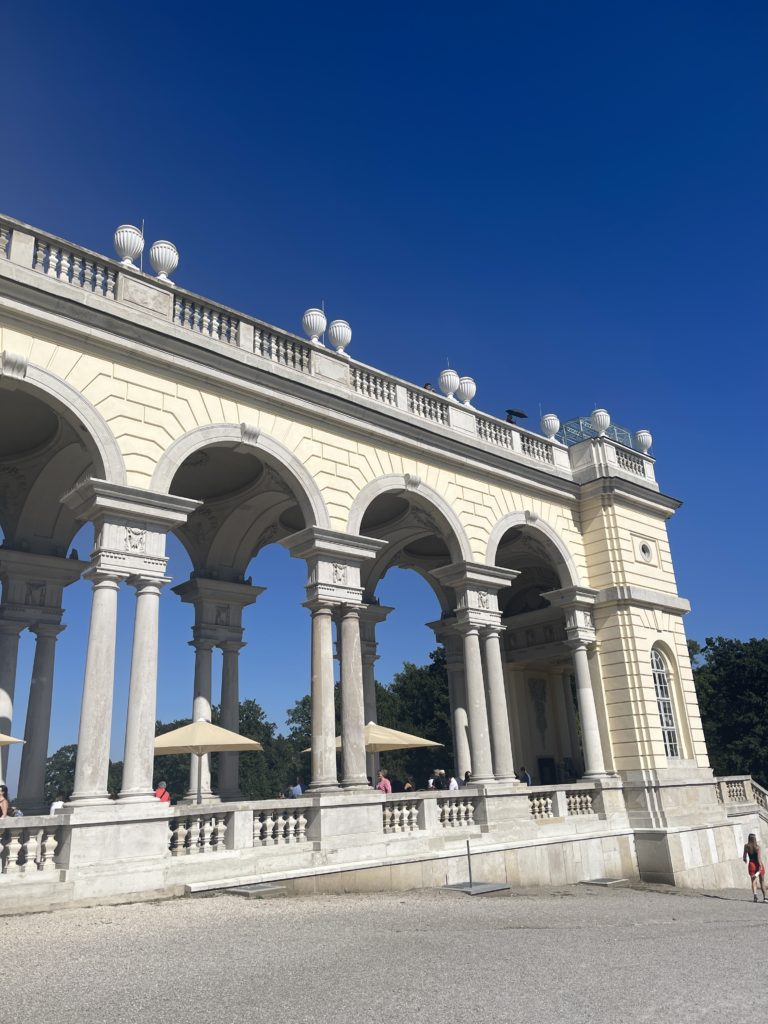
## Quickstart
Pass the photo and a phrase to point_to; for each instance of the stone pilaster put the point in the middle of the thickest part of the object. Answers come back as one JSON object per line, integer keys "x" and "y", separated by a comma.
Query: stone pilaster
{"x": 370, "y": 617}
{"x": 333, "y": 561}
{"x": 219, "y": 606}
{"x": 93, "y": 738}
{"x": 577, "y": 604}
{"x": 138, "y": 758}
{"x": 477, "y": 613}
{"x": 31, "y": 795}
{"x": 130, "y": 527}
{"x": 353, "y": 774}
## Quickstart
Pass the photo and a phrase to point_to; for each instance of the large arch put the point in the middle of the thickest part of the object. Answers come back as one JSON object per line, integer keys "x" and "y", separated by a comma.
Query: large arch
{"x": 395, "y": 483}
{"x": 562, "y": 559}
{"x": 307, "y": 493}
{"x": 71, "y": 405}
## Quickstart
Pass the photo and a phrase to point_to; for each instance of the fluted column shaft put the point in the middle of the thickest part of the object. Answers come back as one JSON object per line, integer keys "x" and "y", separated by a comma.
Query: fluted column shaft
{"x": 503, "y": 767}
{"x": 229, "y": 762}
{"x": 31, "y": 794}
{"x": 201, "y": 709}
{"x": 457, "y": 695}
{"x": 92, "y": 765}
{"x": 352, "y": 720}
{"x": 479, "y": 740}
{"x": 9, "y": 654}
{"x": 139, "y": 755}
{"x": 323, "y": 712}
{"x": 573, "y": 730}
{"x": 590, "y": 729}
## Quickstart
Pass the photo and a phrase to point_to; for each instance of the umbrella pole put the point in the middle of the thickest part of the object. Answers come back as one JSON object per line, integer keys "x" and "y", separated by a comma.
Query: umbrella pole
{"x": 199, "y": 778}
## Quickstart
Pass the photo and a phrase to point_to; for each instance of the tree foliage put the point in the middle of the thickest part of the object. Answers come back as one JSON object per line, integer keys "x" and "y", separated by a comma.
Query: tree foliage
{"x": 731, "y": 679}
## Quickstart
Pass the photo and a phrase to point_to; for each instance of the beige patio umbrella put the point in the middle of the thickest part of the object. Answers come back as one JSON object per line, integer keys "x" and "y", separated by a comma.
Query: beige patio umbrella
{"x": 379, "y": 738}
{"x": 7, "y": 740}
{"x": 200, "y": 738}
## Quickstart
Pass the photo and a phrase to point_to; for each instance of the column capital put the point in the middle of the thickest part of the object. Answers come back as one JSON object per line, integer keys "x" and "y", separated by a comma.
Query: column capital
{"x": 218, "y": 604}
{"x": 319, "y": 606}
{"x": 476, "y": 587}
{"x": 577, "y": 604}
{"x": 47, "y": 629}
{"x": 11, "y": 627}
{"x": 334, "y": 561}
{"x": 104, "y": 577}
{"x": 231, "y": 646}
{"x": 142, "y": 583}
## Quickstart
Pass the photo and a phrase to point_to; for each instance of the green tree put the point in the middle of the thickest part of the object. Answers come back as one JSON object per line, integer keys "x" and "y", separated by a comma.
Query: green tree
{"x": 60, "y": 773}
{"x": 731, "y": 679}
{"x": 417, "y": 702}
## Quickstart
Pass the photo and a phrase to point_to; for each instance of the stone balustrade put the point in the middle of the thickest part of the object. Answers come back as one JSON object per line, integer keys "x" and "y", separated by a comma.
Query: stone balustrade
{"x": 132, "y": 293}
{"x": 736, "y": 791}
{"x": 280, "y": 826}
{"x": 28, "y": 846}
{"x": 199, "y": 832}
{"x": 550, "y": 802}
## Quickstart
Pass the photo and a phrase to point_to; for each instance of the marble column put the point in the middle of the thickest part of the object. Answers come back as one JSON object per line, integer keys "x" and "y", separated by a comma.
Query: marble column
{"x": 352, "y": 720}
{"x": 201, "y": 709}
{"x": 498, "y": 713}
{"x": 92, "y": 765}
{"x": 457, "y": 699}
{"x": 479, "y": 741}
{"x": 31, "y": 795}
{"x": 369, "y": 701}
{"x": 139, "y": 755}
{"x": 323, "y": 711}
{"x": 229, "y": 762}
{"x": 9, "y": 653}
{"x": 573, "y": 729}
{"x": 590, "y": 729}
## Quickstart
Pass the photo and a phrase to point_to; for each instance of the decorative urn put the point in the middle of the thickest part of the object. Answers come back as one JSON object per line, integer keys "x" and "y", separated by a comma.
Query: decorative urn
{"x": 466, "y": 390}
{"x": 550, "y": 425}
{"x": 340, "y": 335}
{"x": 643, "y": 440}
{"x": 129, "y": 243}
{"x": 164, "y": 257}
{"x": 448, "y": 381}
{"x": 600, "y": 421}
{"x": 314, "y": 323}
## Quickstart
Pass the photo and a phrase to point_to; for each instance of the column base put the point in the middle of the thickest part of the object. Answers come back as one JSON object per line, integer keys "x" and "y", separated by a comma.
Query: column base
{"x": 355, "y": 785}
{"x": 206, "y": 797}
{"x": 140, "y": 797}
{"x": 93, "y": 800}
{"x": 323, "y": 787}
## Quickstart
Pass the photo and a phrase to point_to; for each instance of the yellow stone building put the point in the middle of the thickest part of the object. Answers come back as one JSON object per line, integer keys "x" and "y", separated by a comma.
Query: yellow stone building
{"x": 130, "y": 403}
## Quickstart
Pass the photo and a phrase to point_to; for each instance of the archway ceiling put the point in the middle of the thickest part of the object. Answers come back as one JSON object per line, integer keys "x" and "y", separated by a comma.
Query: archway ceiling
{"x": 246, "y": 505}
{"x": 528, "y": 554}
{"x": 42, "y": 456}
{"x": 416, "y": 539}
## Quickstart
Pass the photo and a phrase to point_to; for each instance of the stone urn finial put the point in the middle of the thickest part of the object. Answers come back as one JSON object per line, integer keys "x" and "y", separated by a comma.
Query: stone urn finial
{"x": 448, "y": 381}
{"x": 164, "y": 257}
{"x": 643, "y": 440}
{"x": 550, "y": 424}
{"x": 314, "y": 323}
{"x": 340, "y": 335}
{"x": 129, "y": 243}
{"x": 466, "y": 390}
{"x": 600, "y": 421}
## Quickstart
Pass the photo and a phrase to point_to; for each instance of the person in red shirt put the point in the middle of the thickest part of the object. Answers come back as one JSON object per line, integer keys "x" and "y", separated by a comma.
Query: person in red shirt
{"x": 383, "y": 785}
{"x": 162, "y": 793}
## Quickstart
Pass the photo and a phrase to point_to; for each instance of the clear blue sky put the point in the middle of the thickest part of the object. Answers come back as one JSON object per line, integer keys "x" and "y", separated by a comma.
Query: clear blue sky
{"x": 567, "y": 200}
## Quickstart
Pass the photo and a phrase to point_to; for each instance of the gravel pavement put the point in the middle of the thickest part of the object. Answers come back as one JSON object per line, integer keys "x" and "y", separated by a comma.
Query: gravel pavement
{"x": 578, "y": 954}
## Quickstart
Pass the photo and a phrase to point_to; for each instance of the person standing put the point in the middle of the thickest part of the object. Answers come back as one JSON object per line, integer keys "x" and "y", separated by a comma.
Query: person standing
{"x": 58, "y": 803}
{"x": 524, "y": 776}
{"x": 753, "y": 858}
{"x": 5, "y": 806}
{"x": 383, "y": 784}
{"x": 453, "y": 782}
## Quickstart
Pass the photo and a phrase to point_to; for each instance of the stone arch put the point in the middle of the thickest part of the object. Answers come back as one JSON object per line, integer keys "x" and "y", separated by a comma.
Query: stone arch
{"x": 562, "y": 558}
{"x": 70, "y": 403}
{"x": 308, "y": 495}
{"x": 396, "y": 482}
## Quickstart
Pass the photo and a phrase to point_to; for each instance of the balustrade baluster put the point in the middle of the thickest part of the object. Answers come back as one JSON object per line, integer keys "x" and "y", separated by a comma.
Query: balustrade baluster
{"x": 220, "y": 833}
{"x": 48, "y": 851}
{"x": 193, "y": 834}
{"x": 13, "y": 865}
{"x": 206, "y": 832}
{"x": 53, "y": 262}
{"x": 39, "y": 257}
{"x": 77, "y": 270}
{"x": 111, "y": 283}
{"x": 88, "y": 282}
{"x": 301, "y": 828}
{"x": 29, "y": 850}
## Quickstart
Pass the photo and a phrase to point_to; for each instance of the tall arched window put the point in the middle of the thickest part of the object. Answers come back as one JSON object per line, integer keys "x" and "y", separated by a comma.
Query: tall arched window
{"x": 664, "y": 702}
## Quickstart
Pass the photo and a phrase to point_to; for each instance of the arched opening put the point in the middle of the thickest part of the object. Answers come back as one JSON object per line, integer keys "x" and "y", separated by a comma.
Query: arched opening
{"x": 46, "y": 447}
{"x": 403, "y": 621}
{"x": 245, "y": 593}
{"x": 538, "y": 663}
